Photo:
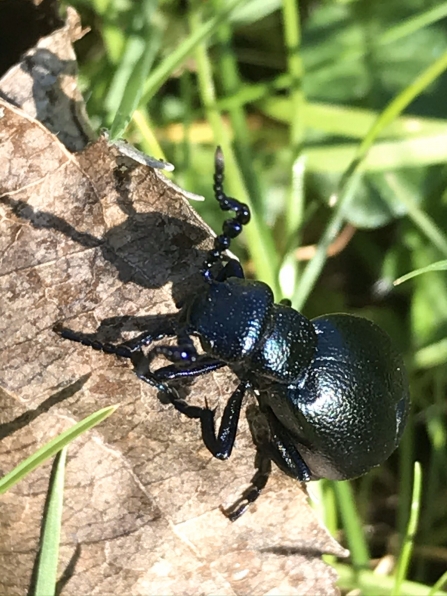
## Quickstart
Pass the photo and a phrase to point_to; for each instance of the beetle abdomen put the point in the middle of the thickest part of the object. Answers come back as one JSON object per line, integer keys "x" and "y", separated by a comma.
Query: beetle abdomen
{"x": 357, "y": 419}
{"x": 349, "y": 413}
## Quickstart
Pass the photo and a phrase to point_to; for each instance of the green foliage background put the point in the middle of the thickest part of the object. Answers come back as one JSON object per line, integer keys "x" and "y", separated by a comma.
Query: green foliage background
{"x": 331, "y": 113}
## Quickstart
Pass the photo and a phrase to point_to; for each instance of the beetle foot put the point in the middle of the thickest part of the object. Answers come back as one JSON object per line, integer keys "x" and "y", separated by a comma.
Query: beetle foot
{"x": 250, "y": 494}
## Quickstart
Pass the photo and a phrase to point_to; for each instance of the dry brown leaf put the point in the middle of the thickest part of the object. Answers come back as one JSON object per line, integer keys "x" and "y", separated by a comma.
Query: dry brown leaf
{"x": 82, "y": 241}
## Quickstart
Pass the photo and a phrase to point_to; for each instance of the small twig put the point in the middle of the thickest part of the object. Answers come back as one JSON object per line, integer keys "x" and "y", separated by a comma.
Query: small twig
{"x": 306, "y": 253}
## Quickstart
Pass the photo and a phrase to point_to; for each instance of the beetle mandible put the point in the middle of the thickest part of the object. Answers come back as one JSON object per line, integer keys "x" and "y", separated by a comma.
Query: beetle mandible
{"x": 333, "y": 389}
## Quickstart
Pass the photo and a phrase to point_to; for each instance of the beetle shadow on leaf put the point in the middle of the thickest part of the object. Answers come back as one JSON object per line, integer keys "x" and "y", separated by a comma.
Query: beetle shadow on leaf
{"x": 142, "y": 252}
{"x": 305, "y": 549}
{"x": 69, "y": 570}
{"x": 139, "y": 248}
{"x": 22, "y": 25}
{"x": 12, "y": 426}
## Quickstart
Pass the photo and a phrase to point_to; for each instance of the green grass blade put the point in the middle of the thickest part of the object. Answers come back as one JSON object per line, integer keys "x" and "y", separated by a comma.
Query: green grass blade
{"x": 413, "y": 24}
{"x": 161, "y": 74}
{"x": 258, "y": 235}
{"x": 402, "y": 101}
{"x": 289, "y": 268}
{"x": 369, "y": 583}
{"x": 329, "y": 513}
{"x": 231, "y": 82}
{"x": 438, "y": 266}
{"x": 351, "y": 176}
{"x": 52, "y": 447}
{"x": 352, "y": 525}
{"x": 49, "y": 547}
{"x": 439, "y": 585}
{"x": 435, "y": 467}
{"x": 149, "y": 143}
{"x": 408, "y": 542}
{"x": 432, "y": 355}
{"x": 292, "y": 38}
{"x": 406, "y": 454}
{"x": 424, "y": 222}
{"x": 254, "y": 92}
{"x": 134, "y": 87}
{"x": 384, "y": 156}
{"x": 349, "y": 121}
{"x": 134, "y": 50}
{"x": 259, "y": 91}
{"x": 294, "y": 209}
{"x": 254, "y": 10}
{"x": 315, "y": 265}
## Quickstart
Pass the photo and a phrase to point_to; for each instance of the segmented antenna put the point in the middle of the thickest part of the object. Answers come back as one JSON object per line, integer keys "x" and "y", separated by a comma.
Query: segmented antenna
{"x": 231, "y": 227}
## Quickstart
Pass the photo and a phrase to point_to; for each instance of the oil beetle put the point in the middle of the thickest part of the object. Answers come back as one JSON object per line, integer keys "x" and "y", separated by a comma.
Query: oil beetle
{"x": 333, "y": 390}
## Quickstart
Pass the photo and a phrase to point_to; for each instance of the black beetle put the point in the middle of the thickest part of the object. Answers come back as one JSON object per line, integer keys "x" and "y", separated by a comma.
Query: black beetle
{"x": 333, "y": 390}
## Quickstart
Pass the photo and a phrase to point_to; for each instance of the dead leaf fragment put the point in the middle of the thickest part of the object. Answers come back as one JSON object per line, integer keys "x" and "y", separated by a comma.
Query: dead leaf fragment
{"x": 44, "y": 82}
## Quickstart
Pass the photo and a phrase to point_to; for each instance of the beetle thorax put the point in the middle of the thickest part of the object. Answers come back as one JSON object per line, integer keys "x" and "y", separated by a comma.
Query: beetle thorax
{"x": 238, "y": 322}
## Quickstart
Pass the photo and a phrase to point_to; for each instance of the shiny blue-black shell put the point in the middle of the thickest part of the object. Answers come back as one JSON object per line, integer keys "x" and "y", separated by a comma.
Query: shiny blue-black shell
{"x": 335, "y": 383}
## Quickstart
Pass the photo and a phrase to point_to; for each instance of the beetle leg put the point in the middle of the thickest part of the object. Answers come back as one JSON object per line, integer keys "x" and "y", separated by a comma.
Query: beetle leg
{"x": 287, "y": 458}
{"x": 180, "y": 354}
{"x": 124, "y": 349}
{"x": 257, "y": 484}
{"x": 203, "y": 365}
{"x": 284, "y": 453}
{"x": 149, "y": 337}
{"x": 119, "y": 349}
{"x": 219, "y": 445}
